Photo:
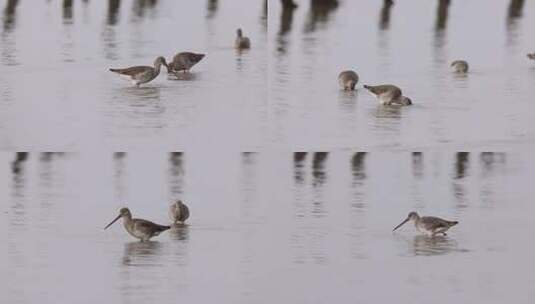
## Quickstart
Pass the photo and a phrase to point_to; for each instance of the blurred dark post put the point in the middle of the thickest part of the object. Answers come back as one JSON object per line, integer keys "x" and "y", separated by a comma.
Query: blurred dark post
{"x": 515, "y": 9}
{"x": 442, "y": 14}
{"x": 299, "y": 158}
{"x": 461, "y": 163}
{"x": 211, "y": 8}
{"x": 9, "y": 14}
{"x": 384, "y": 17}
{"x": 288, "y": 4}
{"x": 67, "y": 10}
{"x": 357, "y": 165}
{"x": 417, "y": 164}
{"x": 113, "y": 9}
{"x": 20, "y": 158}
{"x": 319, "y": 12}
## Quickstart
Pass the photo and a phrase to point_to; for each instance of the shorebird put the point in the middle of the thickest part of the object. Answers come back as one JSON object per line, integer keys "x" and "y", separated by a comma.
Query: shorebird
{"x": 460, "y": 66}
{"x": 348, "y": 80}
{"x": 428, "y": 224}
{"x": 141, "y": 74}
{"x": 178, "y": 212}
{"x": 531, "y": 56}
{"x": 388, "y": 94}
{"x": 241, "y": 41}
{"x": 184, "y": 62}
{"x": 138, "y": 228}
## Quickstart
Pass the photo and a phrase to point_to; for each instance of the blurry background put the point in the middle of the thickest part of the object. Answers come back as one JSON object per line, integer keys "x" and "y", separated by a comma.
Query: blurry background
{"x": 268, "y": 227}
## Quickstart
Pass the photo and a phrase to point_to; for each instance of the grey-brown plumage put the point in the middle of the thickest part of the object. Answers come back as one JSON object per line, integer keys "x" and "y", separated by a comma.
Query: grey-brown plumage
{"x": 388, "y": 94}
{"x": 531, "y": 56}
{"x": 138, "y": 228}
{"x": 429, "y": 224}
{"x": 348, "y": 80}
{"x": 460, "y": 66}
{"x": 184, "y": 61}
{"x": 141, "y": 74}
{"x": 178, "y": 212}
{"x": 241, "y": 42}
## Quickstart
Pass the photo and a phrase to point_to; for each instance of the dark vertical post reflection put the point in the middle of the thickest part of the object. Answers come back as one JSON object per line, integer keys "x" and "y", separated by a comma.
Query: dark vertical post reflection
{"x": 319, "y": 13}
{"x": 248, "y": 183}
{"x": 514, "y": 13}
{"x": 18, "y": 209}
{"x": 384, "y": 16}
{"x": 176, "y": 175}
{"x": 285, "y": 25}
{"x": 113, "y": 10}
{"x": 417, "y": 164}
{"x": 442, "y": 15}
{"x": 119, "y": 163}
{"x": 489, "y": 160}
{"x": 299, "y": 179}
{"x": 319, "y": 178}
{"x": 67, "y": 11}
{"x": 9, "y": 15}
{"x": 461, "y": 164}
{"x": 211, "y": 8}
{"x": 359, "y": 174}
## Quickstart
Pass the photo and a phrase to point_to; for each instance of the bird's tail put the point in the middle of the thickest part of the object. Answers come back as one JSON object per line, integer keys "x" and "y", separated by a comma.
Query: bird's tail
{"x": 453, "y": 223}
{"x": 366, "y": 86}
{"x": 114, "y": 70}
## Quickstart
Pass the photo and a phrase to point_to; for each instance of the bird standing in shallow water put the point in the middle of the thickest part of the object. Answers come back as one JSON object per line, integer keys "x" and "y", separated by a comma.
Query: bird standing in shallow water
{"x": 428, "y": 224}
{"x": 242, "y": 42}
{"x": 348, "y": 80}
{"x": 460, "y": 66}
{"x": 388, "y": 94}
{"x": 138, "y": 228}
{"x": 141, "y": 74}
{"x": 178, "y": 212}
{"x": 184, "y": 61}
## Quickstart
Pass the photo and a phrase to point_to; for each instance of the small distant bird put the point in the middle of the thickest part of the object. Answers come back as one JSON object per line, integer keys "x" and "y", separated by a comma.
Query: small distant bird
{"x": 138, "y": 228}
{"x": 388, "y": 94}
{"x": 348, "y": 80}
{"x": 428, "y": 224}
{"x": 184, "y": 62}
{"x": 141, "y": 74}
{"x": 242, "y": 42}
{"x": 460, "y": 66}
{"x": 531, "y": 56}
{"x": 178, "y": 212}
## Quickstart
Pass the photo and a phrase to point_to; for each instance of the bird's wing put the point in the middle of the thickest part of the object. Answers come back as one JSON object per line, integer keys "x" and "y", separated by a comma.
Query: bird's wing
{"x": 148, "y": 226}
{"x": 433, "y": 223}
{"x": 132, "y": 71}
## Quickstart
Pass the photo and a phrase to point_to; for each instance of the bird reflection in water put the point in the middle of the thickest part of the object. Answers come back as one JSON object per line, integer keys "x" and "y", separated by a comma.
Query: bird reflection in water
{"x": 461, "y": 164}
{"x": 179, "y": 232}
{"x": 299, "y": 174}
{"x": 9, "y": 15}
{"x": 142, "y": 253}
{"x": 432, "y": 246}
{"x": 319, "y": 178}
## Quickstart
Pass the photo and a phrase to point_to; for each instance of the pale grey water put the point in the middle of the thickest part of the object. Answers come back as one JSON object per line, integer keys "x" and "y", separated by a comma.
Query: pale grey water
{"x": 269, "y": 228}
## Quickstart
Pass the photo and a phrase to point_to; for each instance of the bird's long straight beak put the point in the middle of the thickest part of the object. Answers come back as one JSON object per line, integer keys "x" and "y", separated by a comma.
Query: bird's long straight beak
{"x": 406, "y": 220}
{"x": 115, "y": 220}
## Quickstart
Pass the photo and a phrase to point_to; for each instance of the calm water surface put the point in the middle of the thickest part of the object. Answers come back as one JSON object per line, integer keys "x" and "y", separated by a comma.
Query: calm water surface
{"x": 410, "y": 44}
{"x": 268, "y": 227}
{"x": 56, "y": 92}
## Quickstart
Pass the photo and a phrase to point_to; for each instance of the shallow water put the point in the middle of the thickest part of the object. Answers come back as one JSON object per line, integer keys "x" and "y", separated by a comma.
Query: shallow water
{"x": 268, "y": 227}
{"x": 57, "y": 93}
{"x": 410, "y": 44}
